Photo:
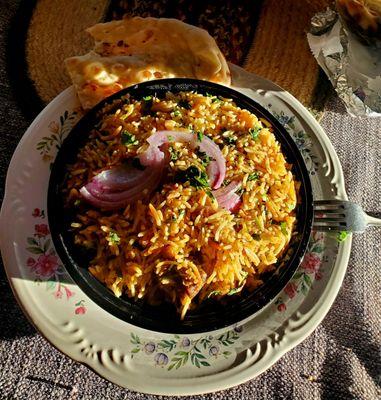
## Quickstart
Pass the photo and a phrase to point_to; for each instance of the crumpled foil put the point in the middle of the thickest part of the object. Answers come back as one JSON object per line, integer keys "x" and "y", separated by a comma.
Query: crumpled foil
{"x": 353, "y": 68}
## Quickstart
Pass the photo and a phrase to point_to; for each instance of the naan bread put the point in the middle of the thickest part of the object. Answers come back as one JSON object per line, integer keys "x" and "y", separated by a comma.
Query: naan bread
{"x": 138, "y": 49}
{"x": 182, "y": 44}
{"x": 96, "y": 77}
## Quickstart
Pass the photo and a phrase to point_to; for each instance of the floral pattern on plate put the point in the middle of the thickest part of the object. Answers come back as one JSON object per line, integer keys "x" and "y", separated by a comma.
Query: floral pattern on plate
{"x": 180, "y": 351}
{"x": 45, "y": 265}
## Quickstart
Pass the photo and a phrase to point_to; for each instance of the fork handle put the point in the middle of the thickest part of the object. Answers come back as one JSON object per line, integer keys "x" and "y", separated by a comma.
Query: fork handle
{"x": 374, "y": 214}
{"x": 374, "y": 218}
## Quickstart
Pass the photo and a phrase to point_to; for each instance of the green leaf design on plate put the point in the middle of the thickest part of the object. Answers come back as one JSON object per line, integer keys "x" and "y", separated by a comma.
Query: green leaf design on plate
{"x": 307, "y": 280}
{"x": 35, "y": 250}
{"x": 167, "y": 345}
{"x": 32, "y": 241}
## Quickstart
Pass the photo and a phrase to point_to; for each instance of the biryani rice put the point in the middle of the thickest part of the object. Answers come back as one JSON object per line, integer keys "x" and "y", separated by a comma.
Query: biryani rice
{"x": 178, "y": 245}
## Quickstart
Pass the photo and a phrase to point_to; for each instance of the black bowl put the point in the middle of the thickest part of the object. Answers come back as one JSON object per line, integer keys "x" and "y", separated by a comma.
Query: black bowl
{"x": 212, "y": 314}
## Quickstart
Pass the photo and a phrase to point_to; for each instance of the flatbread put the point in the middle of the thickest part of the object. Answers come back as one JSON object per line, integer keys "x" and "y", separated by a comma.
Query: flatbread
{"x": 182, "y": 44}
{"x": 138, "y": 49}
{"x": 96, "y": 77}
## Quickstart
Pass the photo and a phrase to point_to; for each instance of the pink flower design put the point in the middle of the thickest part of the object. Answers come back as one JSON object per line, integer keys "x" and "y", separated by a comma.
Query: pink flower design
{"x": 311, "y": 263}
{"x": 281, "y": 307}
{"x": 46, "y": 265}
{"x": 41, "y": 230}
{"x": 30, "y": 262}
{"x": 318, "y": 275}
{"x": 291, "y": 289}
{"x": 36, "y": 212}
{"x": 58, "y": 294}
{"x": 68, "y": 292}
{"x": 80, "y": 310}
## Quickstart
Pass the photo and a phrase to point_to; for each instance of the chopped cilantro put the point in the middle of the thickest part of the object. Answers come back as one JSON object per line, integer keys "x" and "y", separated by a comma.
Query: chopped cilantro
{"x": 77, "y": 202}
{"x": 171, "y": 138}
{"x": 229, "y": 140}
{"x": 209, "y": 95}
{"x": 128, "y": 139}
{"x": 214, "y": 293}
{"x": 283, "y": 228}
{"x": 113, "y": 237}
{"x": 254, "y": 133}
{"x": 240, "y": 191}
{"x": 147, "y": 104}
{"x": 174, "y": 155}
{"x": 341, "y": 236}
{"x": 253, "y": 177}
{"x": 181, "y": 212}
{"x": 185, "y": 104}
{"x": 234, "y": 291}
{"x": 210, "y": 194}
{"x": 176, "y": 113}
{"x": 205, "y": 159}
{"x": 200, "y": 136}
{"x": 245, "y": 274}
{"x": 193, "y": 175}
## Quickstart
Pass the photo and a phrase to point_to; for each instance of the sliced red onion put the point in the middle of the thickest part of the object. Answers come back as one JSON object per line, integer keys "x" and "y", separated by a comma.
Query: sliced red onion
{"x": 119, "y": 178}
{"x": 216, "y": 169}
{"x": 116, "y": 187}
{"x": 148, "y": 182}
{"x": 227, "y": 197}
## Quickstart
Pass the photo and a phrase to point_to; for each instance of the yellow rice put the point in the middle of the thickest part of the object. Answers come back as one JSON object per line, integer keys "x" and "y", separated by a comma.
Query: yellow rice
{"x": 179, "y": 245}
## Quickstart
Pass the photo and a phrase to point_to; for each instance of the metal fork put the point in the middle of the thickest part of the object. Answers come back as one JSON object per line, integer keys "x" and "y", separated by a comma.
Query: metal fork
{"x": 341, "y": 215}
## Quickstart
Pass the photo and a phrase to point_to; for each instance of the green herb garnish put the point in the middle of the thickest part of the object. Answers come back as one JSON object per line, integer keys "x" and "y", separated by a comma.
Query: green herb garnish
{"x": 193, "y": 175}
{"x": 214, "y": 293}
{"x": 240, "y": 191}
{"x": 128, "y": 139}
{"x": 200, "y": 136}
{"x": 283, "y": 228}
{"x": 225, "y": 182}
{"x": 113, "y": 237}
{"x": 205, "y": 159}
{"x": 234, "y": 291}
{"x": 174, "y": 155}
{"x": 210, "y": 194}
{"x": 245, "y": 274}
{"x": 171, "y": 138}
{"x": 253, "y": 177}
{"x": 176, "y": 113}
{"x": 77, "y": 203}
{"x": 147, "y": 105}
{"x": 254, "y": 133}
{"x": 229, "y": 140}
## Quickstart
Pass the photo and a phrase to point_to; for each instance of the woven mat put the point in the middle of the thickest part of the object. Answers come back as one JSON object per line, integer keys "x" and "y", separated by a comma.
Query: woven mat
{"x": 341, "y": 360}
{"x": 267, "y": 37}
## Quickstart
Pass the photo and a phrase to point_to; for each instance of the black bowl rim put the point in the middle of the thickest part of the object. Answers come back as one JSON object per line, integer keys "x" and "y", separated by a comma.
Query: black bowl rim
{"x": 130, "y": 312}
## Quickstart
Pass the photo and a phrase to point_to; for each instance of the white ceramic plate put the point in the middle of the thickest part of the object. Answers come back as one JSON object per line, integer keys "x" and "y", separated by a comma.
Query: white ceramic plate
{"x": 133, "y": 357}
